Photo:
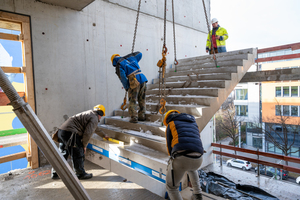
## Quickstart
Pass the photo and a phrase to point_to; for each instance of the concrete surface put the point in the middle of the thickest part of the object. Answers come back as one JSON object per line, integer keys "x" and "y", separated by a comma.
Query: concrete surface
{"x": 76, "y": 5}
{"x": 36, "y": 184}
{"x": 72, "y": 49}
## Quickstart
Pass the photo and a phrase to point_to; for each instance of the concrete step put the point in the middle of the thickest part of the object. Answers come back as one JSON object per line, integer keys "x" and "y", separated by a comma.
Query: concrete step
{"x": 212, "y": 92}
{"x": 129, "y": 136}
{"x": 219, "y": 55}
{"x": 200, "y": 60}
{"x": 149, "y": 117}
{"x": 228, "y": 69}
{"x": 227, "y": 63}
{"x": 135, "y": 148}
{"x": 177, "y": 99}
{"x": 199, "y": 83}
{"x": 224, "y": 76}
{"x": 195, "y": 110}
{"x": 152, "y": 128}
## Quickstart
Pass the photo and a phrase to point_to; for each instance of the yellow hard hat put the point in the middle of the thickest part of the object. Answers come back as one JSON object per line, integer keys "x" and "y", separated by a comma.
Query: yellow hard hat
{"x": 167, "y": 115}
{"x": 113, "y": 56}
{"x": 99, "y": 108}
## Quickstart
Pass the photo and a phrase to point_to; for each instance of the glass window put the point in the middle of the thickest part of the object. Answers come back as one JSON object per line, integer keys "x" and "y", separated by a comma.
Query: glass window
{"x": 277, "y": 150}
{"x": 257, "y": 142}
{"x": 241, "y": 110}
{"x": 286, "y": 91}
{"x": 278, "y": 91}
{"x": 242, "y": 94}
{"x": 271, "y": 147}
{"x": 294, "y": 91}
{"x": 286, "y": 110}
{"x": 278, "y": 110}
{"x": 294, "y": 110}
{"x": 293, "y": 150}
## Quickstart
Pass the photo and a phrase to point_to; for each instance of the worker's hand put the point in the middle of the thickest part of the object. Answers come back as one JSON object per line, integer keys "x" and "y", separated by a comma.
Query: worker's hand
{"x": 217, "y": 37}
{"x": 206, "y": 51}
{"x": 84, "y": 150}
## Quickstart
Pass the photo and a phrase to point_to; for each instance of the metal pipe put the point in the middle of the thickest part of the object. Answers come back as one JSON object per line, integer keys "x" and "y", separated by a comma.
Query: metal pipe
{"x": 37, "y": 131}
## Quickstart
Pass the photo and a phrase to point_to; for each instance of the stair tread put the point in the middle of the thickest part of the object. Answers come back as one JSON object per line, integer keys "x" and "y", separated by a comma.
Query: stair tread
{"x": 146, "y": 135}
{"x": 181, "y": 96}
{"x": 191, "y": 88}
{"x": 180, "y": 105}
{"x": 126, "y": 119}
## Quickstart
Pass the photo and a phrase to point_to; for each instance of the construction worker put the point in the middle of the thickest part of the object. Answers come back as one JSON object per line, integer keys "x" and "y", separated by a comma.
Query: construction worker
{"x": 134, "y": 81}
{"x": 185, "y": 150}
{"x": 217, "y": 35}
{"x": 74, "y": 135}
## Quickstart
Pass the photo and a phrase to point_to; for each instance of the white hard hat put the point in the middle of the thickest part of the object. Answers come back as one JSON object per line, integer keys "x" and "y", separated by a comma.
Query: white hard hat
{"x": 214, "y": 20}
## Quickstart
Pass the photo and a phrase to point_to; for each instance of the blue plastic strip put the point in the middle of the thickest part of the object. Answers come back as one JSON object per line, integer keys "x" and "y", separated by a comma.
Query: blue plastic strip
{"x": 129, "y": 163}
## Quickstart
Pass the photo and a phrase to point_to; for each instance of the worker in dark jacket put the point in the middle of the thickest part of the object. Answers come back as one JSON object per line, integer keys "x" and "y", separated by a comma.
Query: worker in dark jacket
{"x": 74, "y": 135}
{"x": 134, "y": 81}
{"x": 185, "y": 148}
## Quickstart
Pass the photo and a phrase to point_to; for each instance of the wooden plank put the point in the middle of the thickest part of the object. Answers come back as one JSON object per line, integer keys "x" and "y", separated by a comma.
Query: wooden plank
{"x": 13, "y": 17}
{"x": 277, "y": 48}
{"x": 29, "y": 89}
{"x": 7, "y": 36}
{"x": 284, "y": 57}
{"x": 291, "y": 169}
{"x": 12, "y": 157}
{"x": 14, "y": 70}
{"x": 270, "y": 155}
{"x": 10, "y": 25}
{"x": 4, "y": 100}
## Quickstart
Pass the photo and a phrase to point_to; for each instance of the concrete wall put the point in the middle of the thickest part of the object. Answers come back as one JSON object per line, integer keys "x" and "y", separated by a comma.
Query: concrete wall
{"x": 71, "y": 56}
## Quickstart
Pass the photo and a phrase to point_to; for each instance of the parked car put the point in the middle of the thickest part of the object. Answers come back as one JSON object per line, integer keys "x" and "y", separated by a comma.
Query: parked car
{"x": 298, "y": 180}
{"x": 270, "y": 171}
{"x": 243, "y": 164}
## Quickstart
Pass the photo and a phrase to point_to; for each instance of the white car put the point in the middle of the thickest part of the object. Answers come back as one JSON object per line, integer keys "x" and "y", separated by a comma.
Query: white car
{"x": 244, "y": 165}
{"x": 298, "y": 180}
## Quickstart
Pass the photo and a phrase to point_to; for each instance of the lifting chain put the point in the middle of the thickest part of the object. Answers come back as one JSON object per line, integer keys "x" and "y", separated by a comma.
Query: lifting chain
{"x": 162, "y": 68}
{"x": 208, "y": 27}
{"x": 136, "y": 24}
{"x": 175, "y": 59}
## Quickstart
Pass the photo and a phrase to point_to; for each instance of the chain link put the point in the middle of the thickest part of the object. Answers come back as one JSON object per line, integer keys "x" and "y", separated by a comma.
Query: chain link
{"x": 208, "y": 27}
{"x": 136, "y": 25}
{"x": 175, "y": 59}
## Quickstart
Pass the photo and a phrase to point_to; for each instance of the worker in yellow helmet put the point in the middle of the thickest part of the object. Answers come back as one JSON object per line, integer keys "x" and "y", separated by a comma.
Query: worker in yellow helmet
{"x": 134, "y": 81}
{"x": 74, "y": 135}
{"x": 216, "y": 38}
{"x": 185, "y": 150}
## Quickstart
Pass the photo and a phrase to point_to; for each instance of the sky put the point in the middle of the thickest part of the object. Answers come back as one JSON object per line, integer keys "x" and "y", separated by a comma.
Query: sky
{"x": 258, "y": 23}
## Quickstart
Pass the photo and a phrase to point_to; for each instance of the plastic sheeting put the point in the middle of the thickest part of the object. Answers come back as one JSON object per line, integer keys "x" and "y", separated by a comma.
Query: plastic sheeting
{"x": 221, "y": 186}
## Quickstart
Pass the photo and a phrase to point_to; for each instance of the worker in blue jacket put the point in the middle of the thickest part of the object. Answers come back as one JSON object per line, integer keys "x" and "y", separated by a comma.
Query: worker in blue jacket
{"x": 185, "y": 150}
{"x": 134, "y": 81}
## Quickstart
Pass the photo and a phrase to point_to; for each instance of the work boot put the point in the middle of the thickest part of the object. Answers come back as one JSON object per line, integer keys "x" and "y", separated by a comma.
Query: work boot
{"x": 197, "y": 197}
{"x": 85, "y": 176}
{"x": 54, "y": 174}
{"x": 143, "y": 118}
{"x": 133, "y": 120}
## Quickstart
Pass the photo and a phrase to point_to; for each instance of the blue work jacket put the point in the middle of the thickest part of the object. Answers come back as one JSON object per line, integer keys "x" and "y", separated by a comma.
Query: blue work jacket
{"x": 126, "y": 66}
{"x": 182, "y": 134}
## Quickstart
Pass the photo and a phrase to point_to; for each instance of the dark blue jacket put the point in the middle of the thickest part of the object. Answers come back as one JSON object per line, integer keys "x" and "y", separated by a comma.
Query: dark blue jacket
{"x": 182, "y": 133}
{"x": 126, "y": 65}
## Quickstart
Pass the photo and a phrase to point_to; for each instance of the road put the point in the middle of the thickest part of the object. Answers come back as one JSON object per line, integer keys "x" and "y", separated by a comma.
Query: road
{"x": 290, "y": 179}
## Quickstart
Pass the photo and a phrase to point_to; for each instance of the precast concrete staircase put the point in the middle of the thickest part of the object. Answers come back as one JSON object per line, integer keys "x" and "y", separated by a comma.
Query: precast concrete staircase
{"x": 197, "y": 87}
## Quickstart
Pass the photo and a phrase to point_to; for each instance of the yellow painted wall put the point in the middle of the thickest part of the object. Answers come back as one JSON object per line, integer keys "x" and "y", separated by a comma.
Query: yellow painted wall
{"x": 268, "y": 93}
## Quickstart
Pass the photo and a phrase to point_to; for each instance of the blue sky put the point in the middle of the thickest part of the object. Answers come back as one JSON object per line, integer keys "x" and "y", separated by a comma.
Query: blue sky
{"x": 258, "y": 23}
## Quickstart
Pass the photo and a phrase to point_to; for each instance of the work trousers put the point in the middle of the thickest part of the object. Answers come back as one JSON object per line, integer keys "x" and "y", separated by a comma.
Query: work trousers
{"x": 75, "y": 149}
{"x": 135, "y": 95}
{"x": 181, "y": 165}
